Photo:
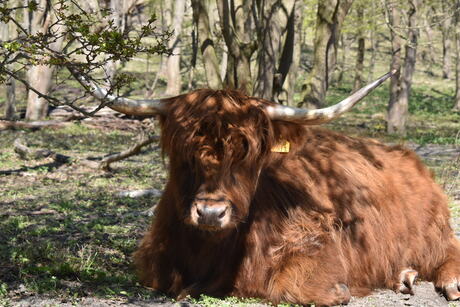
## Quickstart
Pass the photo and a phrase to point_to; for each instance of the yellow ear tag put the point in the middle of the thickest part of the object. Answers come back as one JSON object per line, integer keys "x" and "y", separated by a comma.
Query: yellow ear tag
{"x": 282, "y": 147}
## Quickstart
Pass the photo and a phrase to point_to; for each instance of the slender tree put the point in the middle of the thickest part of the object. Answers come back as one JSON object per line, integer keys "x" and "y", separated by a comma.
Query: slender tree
{"x": 174, "y": 80}
{"x": 394, "y": 109}
{"x": 344, "y": 44}
{"x": 428, "y": 52}
{"x": 330, "y": 17}
{"x": 292, "y": 77}
{"x": 40, "y": 76}
{"x": 274, "y": 57}
{"x": 359, "y": 67}
{"x": 116, "y": 16}
{"x": 201, "y": 18}
{"x": 224, "y": 62}
{"x": 10, "y": 83}
{"x": 457, "y": 49}
{"x": 238, "y": 27}
{"x": 446, "y": 31}
{"x": 399, "y": 97}
{"x": 373, "y": 40}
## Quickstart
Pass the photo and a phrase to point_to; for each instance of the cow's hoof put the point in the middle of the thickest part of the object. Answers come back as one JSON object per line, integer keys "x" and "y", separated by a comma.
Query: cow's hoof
{"x": 447, "y": 280}
{"x": 339, "y": 295}
{"x": 451, "y": 290}
{"x": 406, "y": 282}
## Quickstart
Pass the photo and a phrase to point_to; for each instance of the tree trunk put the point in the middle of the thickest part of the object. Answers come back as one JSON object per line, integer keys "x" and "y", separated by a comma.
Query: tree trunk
{"x": 174, "y": 80}
{"x": 238, "y": 28}
{"x": 10, "y": 84}
{"x": 330, "y": 16}
{"x": 342, "y": 67}
{"x": 342, "y": 11}
{"x": 457, "y": 58}
{"x": 166, "y": 8}
{"x": 40, "y": 76}
{"x": 278, "y": 18}
{"x": 397, "y": 119}
{"x": 428, "y": 54}
{"x": 292, "y": 76}
{"x": 224, "y": 62}
{"x": 359, "y": 78}
{"x": 116, "y": 8}
{"x": 446, "y": 42}
{"x": 27, "y": 19}
{"x": 208, "y": 52}
{"x": 457, "y": 71}
{"x": 92, "y": 7}
{"x": 40, "y": 79}
{"x": 191, "y": 76}
{"x": 10, "y": 104}
{"x": 373, "y": 39}
{"x": 394, "y": 109}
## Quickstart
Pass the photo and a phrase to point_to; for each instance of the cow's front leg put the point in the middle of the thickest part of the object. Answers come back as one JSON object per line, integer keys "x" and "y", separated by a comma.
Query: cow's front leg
{"x": 303, "y": 280}
{"x": 155, "y": 267}
{"x": 406, "y": 281}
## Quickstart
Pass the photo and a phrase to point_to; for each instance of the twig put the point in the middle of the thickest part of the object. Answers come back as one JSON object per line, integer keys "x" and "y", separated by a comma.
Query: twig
{"x": 27, "y": 153}
{"x": 133, "y": 150}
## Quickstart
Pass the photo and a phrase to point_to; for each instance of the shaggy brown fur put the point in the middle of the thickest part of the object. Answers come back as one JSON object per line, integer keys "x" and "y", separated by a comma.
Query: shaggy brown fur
{"x": 333, "y": 216}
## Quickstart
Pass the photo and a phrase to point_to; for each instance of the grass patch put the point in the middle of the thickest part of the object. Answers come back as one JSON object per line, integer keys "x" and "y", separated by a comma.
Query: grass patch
{"x": 82, "y": 244}
{"x": 208, "y": 301}
{"x": 431, "y": 119}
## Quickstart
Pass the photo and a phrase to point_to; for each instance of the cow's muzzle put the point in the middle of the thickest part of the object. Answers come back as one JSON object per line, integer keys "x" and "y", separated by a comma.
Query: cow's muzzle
{"x": 211, "y": 214}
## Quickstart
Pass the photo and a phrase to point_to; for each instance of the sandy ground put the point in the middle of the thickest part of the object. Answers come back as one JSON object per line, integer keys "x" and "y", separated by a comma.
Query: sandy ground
{"x": 425, "y": 296}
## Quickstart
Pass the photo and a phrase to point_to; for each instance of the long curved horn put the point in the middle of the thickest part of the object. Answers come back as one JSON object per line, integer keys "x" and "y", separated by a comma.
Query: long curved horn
{"x": 141, "y": 107}
{"x": 320, "y": 116}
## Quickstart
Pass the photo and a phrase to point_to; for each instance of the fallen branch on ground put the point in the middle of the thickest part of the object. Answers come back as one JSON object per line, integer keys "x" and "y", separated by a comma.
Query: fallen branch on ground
{"x": 108, "y": 122}
{"x": 27, "y": 153}
{"x": 140, "y": 193}
{"x": 133, "y": 150}
{"x": 55, "y": 124}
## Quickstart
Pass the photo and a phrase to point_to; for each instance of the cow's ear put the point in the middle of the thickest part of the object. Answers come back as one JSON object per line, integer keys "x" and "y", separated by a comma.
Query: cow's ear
{"x": 286, "y": 132}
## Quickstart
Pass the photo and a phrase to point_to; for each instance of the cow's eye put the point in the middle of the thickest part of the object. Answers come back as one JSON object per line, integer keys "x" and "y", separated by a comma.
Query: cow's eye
{"x": 245, "y": 145}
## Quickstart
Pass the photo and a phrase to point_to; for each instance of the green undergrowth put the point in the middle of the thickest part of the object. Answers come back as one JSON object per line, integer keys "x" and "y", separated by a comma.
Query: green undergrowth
{"x": 209, "y": 301}
{"x": 64, "y": 231}
{"x": 71, "y": 240}
{"x": 431, "y": 120}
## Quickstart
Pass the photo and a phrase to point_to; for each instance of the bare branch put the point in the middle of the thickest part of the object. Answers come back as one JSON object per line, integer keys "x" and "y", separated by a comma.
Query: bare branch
{"x": 25, "y": 152}
{"x": 135, "y": 149}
